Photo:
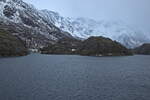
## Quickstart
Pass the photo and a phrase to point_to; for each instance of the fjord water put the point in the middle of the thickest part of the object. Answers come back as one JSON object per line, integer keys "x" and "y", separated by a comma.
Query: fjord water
{"x": 64, "y": 77}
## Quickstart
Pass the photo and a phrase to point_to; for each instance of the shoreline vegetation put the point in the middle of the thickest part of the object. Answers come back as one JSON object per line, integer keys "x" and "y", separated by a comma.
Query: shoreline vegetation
{"x": 93, "y": 46}
{"x": 11, "y": 46}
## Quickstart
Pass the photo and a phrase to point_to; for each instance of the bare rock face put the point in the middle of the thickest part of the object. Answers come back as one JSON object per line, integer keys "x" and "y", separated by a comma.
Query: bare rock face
{"x": 8, "y": 11}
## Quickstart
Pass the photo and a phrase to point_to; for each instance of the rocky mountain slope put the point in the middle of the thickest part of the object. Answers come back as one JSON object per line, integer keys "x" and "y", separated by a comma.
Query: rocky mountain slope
{"x": 84, "y": 28}
{"x": 11, "y": 45}
{"x": 40, "y": 28}
{"x": 23, "y": 20}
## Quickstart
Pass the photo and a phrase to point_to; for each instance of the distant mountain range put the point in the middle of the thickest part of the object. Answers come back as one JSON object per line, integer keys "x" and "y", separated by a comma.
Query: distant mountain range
{"x": 38, "y": 28}
{"x": 84, "y": 28}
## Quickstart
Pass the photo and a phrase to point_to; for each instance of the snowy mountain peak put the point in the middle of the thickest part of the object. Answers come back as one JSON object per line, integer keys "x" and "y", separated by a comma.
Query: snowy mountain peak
{"x": 37, "y": 26}
{"x": 85, "y": 27}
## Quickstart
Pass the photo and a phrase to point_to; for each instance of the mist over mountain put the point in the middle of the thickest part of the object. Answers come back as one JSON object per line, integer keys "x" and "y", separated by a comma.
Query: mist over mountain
{"x": 84, "y": 28}
{"x": 38, "y": 28}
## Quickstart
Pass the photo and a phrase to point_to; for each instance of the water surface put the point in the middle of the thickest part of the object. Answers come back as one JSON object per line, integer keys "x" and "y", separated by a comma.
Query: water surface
{"x": 62, "y": 77}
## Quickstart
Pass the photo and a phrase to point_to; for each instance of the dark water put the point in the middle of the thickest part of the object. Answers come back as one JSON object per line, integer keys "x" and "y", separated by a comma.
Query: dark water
{"x": 43, "y": 77}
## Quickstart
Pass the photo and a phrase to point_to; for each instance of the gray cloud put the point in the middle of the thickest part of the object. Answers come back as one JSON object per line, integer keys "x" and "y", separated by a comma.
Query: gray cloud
{"x": 136, "y": 12}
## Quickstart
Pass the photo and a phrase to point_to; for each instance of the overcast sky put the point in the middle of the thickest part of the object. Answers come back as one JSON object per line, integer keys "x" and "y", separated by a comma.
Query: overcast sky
{"x": 136, "y": 12}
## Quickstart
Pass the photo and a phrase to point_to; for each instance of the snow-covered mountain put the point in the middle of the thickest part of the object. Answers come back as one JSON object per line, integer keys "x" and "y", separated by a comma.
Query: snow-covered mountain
{"x": 25, "y": 21}
{"x": 39, "y": 28}
{"x": 84, "y": 28}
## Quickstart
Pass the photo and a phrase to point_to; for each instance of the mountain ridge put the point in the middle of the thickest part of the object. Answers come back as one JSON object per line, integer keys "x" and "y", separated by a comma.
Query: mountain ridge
{"x": 24, "y": 21}
{"x": 38, "y": 28}
{"x": 85, "y": 27}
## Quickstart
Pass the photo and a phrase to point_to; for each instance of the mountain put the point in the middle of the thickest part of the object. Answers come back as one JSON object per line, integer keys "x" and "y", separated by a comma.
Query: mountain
{"x": 83, "y": 28}
{"x": 25, "y": 22}
{"x": 11, "y": 45}
{"x": 101, "y": 46}
{"x": 143, "y": 49}
{"x": 93, "y": 46}
{"x": 38, "y": 28}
